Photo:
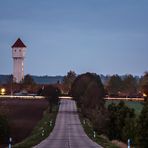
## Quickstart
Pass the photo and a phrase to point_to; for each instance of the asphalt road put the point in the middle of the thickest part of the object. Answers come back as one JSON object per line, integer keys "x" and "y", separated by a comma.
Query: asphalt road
{"x": 68, "y": 132}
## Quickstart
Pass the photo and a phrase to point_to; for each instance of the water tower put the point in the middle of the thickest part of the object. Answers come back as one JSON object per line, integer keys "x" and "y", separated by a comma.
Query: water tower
{"x": 18, "y": 55}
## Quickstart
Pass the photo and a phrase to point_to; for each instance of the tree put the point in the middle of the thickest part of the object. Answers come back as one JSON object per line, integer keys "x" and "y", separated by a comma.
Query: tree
{"x": 144, "y": 85}
{"x": 51, "y": 93}
{"x": 89, "y": 93}
{"x": 120, "y": 115}
{"x": 69, "y": 79}
{"x": 88, "y": 84}
{"x": 115, "y": 85}
{"x": 10, "y": 79}
{"x": 130, "y": 85}
{"x": 95, "y": 93}
{"x": 143, "y": 127}
{"x": 28, "y": 80}
{"x": 28, "y": 84}
{"x": 129, "y": 130}
{"x": 9, "y": 84}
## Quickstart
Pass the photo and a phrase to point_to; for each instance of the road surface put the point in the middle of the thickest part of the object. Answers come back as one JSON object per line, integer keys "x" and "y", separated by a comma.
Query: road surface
{"x": 68, "y": 132}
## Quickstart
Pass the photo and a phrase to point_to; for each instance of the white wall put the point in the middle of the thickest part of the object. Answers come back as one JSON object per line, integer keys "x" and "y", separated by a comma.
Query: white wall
{"x": 18, "y": 64}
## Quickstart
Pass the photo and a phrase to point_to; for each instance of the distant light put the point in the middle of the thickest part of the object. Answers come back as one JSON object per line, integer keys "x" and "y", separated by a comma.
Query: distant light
{"x": 3, "y": 91}
{"x": 144, "y": 95}
{"x": 65, "y": 97}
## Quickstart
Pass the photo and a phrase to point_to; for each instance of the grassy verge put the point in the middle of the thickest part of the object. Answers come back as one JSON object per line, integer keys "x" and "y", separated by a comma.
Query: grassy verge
{"x": 137, "y": 106}
{"x": 41, "y": 131}
{"x": 101, "y": 140}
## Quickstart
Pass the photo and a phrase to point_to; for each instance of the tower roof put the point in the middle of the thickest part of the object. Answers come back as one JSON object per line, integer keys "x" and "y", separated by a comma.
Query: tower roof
{"x": 18, "y": 43}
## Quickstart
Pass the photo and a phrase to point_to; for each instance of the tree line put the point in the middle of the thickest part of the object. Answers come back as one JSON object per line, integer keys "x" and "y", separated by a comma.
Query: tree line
{"x": 115, "y": 85}
{"x": 126, "y": 86}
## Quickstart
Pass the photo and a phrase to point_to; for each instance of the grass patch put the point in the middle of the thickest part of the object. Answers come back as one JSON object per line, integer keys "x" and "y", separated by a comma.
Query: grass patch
{"x": 100, "y": 139}
{"x": 137, "y": 106}
{"x": 41, "y": 130}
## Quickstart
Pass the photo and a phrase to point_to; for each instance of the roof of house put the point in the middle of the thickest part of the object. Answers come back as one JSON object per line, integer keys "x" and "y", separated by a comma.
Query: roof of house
{"x": 18, "y": 43}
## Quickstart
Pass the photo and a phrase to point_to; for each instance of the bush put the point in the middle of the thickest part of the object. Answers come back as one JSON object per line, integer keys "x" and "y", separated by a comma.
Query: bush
{"x": 51, "y": 93}
{"x": 4, "y": 129}
{"x": 121, "y": 122}
{"x": 143, "y": 127}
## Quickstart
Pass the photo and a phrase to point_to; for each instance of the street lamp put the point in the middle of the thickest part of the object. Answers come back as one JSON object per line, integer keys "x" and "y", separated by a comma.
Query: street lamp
{"x": 144, "y": 95}
{"x": 3, "y": 91}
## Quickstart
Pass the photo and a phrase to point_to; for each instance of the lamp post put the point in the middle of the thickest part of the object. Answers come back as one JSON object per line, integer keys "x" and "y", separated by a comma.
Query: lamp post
{"x": 3, "y": 91}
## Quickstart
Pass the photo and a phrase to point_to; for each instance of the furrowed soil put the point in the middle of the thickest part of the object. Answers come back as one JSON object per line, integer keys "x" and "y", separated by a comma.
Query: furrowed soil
{"x": 23, "y": 115}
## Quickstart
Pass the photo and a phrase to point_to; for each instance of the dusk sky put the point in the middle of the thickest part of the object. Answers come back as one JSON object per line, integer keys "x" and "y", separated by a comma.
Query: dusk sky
{"x": 100, "y": 36}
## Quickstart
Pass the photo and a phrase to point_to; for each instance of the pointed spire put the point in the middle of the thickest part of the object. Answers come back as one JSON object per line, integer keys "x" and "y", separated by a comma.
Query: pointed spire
{"x": 18, "y": 43}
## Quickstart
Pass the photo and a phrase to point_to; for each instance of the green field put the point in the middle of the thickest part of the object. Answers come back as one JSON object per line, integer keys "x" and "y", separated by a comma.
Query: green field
{"x": 137, "y": 106}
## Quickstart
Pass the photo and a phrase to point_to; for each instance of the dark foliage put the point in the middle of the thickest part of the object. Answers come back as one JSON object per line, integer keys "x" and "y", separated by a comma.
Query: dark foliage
{"x": 121, "y": 117}
{"x": 28, "y": 80}
{"x": 143, "y": 127}
{"x": 130, "y": 86}
{"x": 115, "y": 85}
{"x": 88, "y": 91}
{"x": 51, "y": 93}
{"x": 83, "y": 83}
{"x": 68, "y": 80}
{"x": 4, "y": 129}
{"x": 144, "y": 85}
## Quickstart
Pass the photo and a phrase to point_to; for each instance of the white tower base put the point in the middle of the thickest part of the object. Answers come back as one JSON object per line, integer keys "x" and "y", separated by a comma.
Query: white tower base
{"x": 18, "y": 70}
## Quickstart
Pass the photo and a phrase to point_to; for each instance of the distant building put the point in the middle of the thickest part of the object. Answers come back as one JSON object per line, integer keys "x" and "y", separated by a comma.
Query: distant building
{"x": 18, "y": 55}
